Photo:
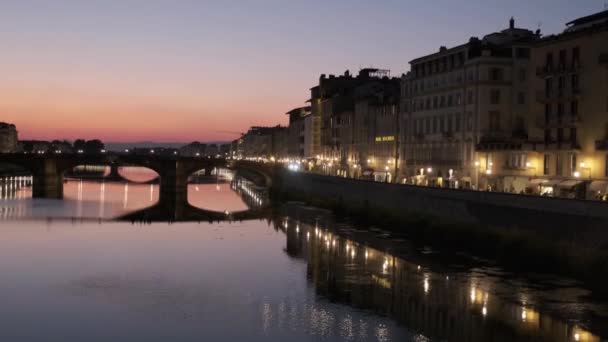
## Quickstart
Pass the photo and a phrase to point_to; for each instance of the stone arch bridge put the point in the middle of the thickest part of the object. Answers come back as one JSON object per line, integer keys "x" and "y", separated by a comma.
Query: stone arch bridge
{"x": 48, "y": 174}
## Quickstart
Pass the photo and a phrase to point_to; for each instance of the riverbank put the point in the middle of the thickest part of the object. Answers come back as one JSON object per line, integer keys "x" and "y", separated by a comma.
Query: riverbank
{"x": 566, "y": 252}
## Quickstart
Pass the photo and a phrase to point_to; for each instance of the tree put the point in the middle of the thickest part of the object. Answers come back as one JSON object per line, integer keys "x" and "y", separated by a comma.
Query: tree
{"x": 93, "y": 146}
{"x": 79, "y": 144}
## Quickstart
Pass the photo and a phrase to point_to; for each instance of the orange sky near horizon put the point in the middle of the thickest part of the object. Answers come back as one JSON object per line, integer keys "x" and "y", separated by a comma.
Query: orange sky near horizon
{"x": 131, "y": 110}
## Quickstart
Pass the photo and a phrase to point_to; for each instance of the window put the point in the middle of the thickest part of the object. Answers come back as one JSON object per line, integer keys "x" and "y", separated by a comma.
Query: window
{"x": 574, "y": 108}
{"x": 495, "y": 96}
{"x": 442, "y": 103}
{"x": 435, "y": 102}
{"x": 450, "y": 123}
{"x": 427, "y": 123}
{"x": 562, "y": 58}
{"x": 458, "y": 99}
{"x": 457, "y": 129}
{"x": 574, "y": 83}
{"x": 576, "y": 55}
{"x": 442, "y": 123}
{"x": 548, "y": 86}
{"x": 547, "y": 112}
{"x": 471, "y": 75}
{"x": 450, "y": 100}
{"x": 572, "y": 162}
{"x": 549, "y": 60}
{"x": 560, "y": 110}
{"x": 546, "y": 161}
{"x": 523, "y": 53}
{"x": 560, "y": 134}
{"x": 558, "y": 165}
{"x": 435, "y": 124}
{"x": 522, "y": 75}
{"x": 521, "y": 98}
{"x": 573, "y": 135}
{"x": 470, "y": 97}
{"x": 494, "y": 124}
{"x": 547, "y": 136}
{"x": 496, "y": 74}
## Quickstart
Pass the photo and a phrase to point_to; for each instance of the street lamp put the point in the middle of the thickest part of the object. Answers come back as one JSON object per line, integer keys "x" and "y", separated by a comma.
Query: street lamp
{"x": 530, "y": 167}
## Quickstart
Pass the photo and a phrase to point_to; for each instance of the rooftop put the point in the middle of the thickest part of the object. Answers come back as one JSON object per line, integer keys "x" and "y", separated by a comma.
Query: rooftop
{"x": 597, "y": 17}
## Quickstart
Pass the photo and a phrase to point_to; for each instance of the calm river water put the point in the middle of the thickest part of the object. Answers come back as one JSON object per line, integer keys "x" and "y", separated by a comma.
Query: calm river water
{"x": 70, "y": 273}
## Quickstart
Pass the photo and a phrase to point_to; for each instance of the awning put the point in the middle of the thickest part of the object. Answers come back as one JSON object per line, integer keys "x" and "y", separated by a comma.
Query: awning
{"x": 601, "y": 186}
{"x": 538, "y": 181}
{"x": 569, "y": 183}
{"x": 550, "y": 183}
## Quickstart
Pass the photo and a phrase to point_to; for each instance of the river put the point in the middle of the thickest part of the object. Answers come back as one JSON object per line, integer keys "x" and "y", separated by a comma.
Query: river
{"x": 71, "y": 271}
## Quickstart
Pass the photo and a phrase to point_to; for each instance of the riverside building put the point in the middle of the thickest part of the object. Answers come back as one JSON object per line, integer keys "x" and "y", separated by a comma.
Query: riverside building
{"x": 462, "y": 101}
{"x": 567, "y": 151}
{"x": 8, "y": 138}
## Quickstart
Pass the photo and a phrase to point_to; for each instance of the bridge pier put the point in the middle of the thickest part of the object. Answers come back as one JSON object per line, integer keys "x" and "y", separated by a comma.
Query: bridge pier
{"x": 173, "y": 192}
{"x": 47, "y": 180}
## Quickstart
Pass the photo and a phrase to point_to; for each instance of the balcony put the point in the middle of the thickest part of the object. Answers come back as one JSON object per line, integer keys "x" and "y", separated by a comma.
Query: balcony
{"x": 563, "y": 68}
{"x": 565, "y": 94}
{"x": 566, "y": 121}
{"x": 557, "y": 146}
{"x": 601, "y": 145}
{"x": 434, "y": 163}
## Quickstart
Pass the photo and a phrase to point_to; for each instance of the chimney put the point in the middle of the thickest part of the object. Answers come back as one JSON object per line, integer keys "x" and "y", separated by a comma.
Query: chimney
{"x": 512, "y": 23}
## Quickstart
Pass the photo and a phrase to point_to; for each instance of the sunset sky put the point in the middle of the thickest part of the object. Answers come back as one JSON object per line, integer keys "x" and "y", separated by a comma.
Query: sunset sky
{"x": 184, "y": 70}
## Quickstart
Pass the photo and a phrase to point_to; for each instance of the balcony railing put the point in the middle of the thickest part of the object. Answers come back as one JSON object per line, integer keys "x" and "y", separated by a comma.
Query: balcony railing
{"x": 556, "y": 121}
{"x": 549, "y": 70}
{"x": 557, "y": 145}
{"x": 563, "y": 94}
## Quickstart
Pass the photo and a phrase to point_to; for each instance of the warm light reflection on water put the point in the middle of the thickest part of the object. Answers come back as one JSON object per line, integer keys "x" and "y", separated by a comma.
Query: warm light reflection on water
{"x": 255, "y": 281}
{"x": 465, "y": 306}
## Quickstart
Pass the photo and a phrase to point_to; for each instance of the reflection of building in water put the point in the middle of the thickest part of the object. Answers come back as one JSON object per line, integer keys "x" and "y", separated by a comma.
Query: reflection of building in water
{"x": 437, "y": 306}
{"x": 15, "y": 187}
{"x": 254, "y": 196}
{"x": 12, "y": 190}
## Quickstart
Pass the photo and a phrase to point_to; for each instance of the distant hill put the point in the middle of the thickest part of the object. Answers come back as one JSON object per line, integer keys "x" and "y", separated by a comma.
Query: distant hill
{"x": 121, "y": 146}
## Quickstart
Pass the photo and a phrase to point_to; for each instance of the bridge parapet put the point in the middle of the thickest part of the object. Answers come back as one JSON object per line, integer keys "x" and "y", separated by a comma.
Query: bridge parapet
{"x": 267, "y": 170}
{"x": 47, "y": 170}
